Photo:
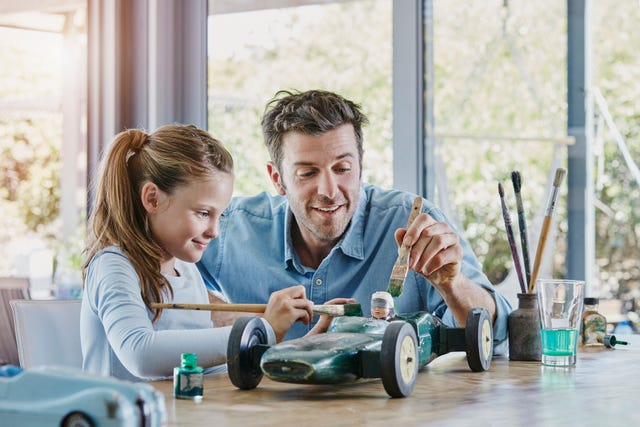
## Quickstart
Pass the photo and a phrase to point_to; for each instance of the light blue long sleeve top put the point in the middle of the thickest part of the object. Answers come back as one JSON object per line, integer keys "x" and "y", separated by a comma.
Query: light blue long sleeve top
{"x": 253, "y": 256}
{"x": 116, "y": 332}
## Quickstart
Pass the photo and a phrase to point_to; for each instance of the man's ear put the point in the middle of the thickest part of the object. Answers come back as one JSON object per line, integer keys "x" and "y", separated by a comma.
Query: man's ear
{"x": 149, "y": 195}
{"x": 276, "y": 179}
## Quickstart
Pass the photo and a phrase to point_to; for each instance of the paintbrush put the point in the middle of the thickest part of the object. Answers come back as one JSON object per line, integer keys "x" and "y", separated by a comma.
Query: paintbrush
{"x": 350, "y": 309}
{"x": 512, "y": 241}
{"x": 544, "y": 231}
{"x": 401, "y": 267}
{"x": 522, "y": 224}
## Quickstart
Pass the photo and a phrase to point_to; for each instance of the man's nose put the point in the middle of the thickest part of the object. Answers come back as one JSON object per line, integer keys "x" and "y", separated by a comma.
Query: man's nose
{"x": 328, "y": 185}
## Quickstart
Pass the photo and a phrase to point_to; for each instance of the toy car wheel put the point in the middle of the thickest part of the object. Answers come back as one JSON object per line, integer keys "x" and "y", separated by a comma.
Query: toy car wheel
{"x": 243, "y": 368}
{"x": 479, "y": 339}
{"x": 399, "y": 359}
{"x": 77, "y": 419}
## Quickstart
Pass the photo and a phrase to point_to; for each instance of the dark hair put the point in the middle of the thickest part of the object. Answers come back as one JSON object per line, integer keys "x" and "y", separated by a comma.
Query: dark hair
{"x": 172, "y": 156}
{"x": 312, "y": 113}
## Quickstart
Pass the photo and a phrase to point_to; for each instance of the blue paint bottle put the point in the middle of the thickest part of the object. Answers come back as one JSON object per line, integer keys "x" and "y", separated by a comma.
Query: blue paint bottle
{"x": 188, "y": 378}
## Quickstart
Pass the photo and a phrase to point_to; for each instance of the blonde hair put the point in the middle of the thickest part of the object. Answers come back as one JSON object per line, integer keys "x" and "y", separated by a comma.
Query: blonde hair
{"x": 172, "y": 156}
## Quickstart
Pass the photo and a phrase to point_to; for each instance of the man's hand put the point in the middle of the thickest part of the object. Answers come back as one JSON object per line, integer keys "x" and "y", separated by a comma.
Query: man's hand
{"x": 323, "y": 322}
{"x": 436, "y": 254}
{"x": 287, "y": 306}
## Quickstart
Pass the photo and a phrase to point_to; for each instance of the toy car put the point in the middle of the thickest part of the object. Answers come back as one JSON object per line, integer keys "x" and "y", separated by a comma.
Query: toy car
{"x": 47, "y": 396}
{"x": 357, "y": 347}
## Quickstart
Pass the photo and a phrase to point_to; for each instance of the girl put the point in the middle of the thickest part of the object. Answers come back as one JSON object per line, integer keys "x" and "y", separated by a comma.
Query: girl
{"x": 157, "y": 206}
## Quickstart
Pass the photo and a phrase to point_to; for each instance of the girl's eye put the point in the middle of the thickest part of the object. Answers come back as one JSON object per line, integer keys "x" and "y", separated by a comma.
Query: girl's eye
{"x": 203, "y": 214}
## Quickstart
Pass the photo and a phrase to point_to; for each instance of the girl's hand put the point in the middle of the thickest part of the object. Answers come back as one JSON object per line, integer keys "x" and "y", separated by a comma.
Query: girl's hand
{"x": 287, "y": 306}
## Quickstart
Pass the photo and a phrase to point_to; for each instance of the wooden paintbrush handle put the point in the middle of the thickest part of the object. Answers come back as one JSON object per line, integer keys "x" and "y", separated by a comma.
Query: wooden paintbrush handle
{"x": 244, "y": 308}
{"x": 544, "y": 232}
{"x": 329, "y": 309}
{"x": 415, "y": 210}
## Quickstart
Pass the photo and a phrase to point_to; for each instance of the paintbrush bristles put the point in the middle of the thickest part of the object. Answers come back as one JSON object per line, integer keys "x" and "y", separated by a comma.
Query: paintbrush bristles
{"x": 401, "y": 266}
{"x": 560, "y": 173}
{"x": 515, "y": 179}
{"x": 338, "y": 309}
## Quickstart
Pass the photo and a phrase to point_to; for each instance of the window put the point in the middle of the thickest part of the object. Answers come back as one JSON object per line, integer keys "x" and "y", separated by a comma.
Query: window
{"x": 342, "y": 47}
{"x": 42, "y": 142}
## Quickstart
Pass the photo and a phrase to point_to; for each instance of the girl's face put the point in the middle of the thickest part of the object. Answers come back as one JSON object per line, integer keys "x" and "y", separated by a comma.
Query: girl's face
{"x": 183, "y": 223}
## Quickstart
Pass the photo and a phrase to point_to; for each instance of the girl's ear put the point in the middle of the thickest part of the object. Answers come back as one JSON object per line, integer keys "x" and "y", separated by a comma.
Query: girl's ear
{"x": 276, "y": 179}
{"x": 150, "y": 194}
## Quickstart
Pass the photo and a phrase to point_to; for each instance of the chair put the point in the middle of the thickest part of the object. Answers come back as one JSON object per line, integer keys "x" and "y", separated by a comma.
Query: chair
{"x": 48, "y": 332}
{"x": 11, "y": 288}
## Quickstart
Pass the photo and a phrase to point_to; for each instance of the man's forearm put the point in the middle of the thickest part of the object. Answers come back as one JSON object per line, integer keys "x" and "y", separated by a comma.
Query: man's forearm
{"x": 463, "y": 295}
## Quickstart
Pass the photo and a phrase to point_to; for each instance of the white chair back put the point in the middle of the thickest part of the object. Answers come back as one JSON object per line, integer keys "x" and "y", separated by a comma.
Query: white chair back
{"x": 11, "y": 288}
{"x": 48, "y": 332}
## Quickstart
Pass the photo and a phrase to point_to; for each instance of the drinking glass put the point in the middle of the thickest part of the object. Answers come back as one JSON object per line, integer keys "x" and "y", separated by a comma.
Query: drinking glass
{"x": 560, "y": 304}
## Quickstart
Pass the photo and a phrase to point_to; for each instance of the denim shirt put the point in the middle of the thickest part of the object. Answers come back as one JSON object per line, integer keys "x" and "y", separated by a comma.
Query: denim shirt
{"x": 253, "y": 256}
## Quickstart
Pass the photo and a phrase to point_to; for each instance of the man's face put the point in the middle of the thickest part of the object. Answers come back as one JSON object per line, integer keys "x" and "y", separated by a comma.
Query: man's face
{"x": 321, "y": 177}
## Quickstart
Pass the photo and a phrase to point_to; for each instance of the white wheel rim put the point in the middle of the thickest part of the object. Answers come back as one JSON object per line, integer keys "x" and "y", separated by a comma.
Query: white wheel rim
{"x": 407, "y": 359}
{"x": 486, "y": 339}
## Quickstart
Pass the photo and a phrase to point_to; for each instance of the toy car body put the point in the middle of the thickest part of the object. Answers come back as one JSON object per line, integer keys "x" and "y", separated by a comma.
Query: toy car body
{"x": 46, "y": 396}
{"x": 358, "y": 347}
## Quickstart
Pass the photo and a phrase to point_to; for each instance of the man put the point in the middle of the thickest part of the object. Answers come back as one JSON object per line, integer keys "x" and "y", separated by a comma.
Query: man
{"x": 335, "y": 235}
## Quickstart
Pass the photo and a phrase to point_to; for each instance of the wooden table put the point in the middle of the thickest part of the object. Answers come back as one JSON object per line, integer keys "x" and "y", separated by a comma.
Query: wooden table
{"x": 602, "y": 389}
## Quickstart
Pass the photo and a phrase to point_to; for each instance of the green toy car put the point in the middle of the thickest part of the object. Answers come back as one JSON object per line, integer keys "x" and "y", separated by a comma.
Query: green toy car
{"x": 357, "y": 347}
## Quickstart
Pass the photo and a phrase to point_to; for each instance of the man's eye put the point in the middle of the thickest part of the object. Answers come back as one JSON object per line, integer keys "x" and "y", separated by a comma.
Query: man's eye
{"x": 307, "y": 174}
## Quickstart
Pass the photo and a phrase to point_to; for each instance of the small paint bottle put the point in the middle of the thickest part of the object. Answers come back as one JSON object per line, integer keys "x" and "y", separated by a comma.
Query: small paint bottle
{"x": 188, "y": 378}
{"x": 594, "y": 324}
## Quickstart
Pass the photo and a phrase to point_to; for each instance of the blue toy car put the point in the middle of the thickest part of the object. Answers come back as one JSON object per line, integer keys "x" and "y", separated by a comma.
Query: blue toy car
{"x": 55, "y": 396}
{"x": 357, "y": 347}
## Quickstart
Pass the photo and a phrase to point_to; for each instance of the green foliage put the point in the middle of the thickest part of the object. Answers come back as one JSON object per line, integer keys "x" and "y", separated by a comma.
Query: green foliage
{"x": 618, "y": 218}
{"x": 30, "y": 159}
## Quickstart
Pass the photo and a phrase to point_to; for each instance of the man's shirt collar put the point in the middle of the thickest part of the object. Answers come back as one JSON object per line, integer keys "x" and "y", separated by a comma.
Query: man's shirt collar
{"x": 351, "y": 243}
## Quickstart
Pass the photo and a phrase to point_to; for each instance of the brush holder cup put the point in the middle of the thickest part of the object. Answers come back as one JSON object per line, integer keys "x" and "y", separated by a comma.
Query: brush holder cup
{"x": 524, "y": 329}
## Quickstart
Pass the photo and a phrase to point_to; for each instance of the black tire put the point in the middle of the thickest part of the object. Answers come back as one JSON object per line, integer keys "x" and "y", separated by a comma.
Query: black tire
{"x": 77, "y": 419}
{"x": 399, "y": 359}
{"x": 243, "y": 368}
{"x": 479, "y": 339}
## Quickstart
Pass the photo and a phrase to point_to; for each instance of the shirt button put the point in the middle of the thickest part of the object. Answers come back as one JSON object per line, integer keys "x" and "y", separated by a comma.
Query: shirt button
{"x": 318, "y": 282}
